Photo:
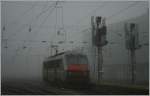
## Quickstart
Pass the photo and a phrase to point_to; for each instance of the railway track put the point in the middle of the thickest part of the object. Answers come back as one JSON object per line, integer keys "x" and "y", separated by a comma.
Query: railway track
{"x": 33, "y": 88}
{"x": 91, "y": 89}
{"x": 42, "y": 88}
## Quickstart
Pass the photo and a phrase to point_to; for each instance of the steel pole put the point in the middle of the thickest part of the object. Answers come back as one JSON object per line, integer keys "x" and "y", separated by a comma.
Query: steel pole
{"x": 133, "y": 63}
{"x": 100, "y": 63}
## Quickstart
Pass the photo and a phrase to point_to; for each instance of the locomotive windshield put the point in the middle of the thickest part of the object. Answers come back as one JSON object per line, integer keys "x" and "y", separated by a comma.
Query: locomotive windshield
{"x": 77, "y": 59}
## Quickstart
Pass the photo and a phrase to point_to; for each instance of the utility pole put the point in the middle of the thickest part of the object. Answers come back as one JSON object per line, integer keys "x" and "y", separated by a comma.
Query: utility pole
{"x": 93, "y": 44}
{"x": 133, "y": 66}
{"x": 6, "y": 47}
{"x": 51, "y": 47}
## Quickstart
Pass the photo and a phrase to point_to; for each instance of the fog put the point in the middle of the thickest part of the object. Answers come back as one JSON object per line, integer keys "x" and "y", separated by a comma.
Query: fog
{"x": 26, "y": 24}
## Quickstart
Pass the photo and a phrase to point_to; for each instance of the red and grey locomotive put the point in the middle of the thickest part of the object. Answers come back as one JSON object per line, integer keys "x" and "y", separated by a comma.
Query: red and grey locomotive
{"x": 66, "y": 67}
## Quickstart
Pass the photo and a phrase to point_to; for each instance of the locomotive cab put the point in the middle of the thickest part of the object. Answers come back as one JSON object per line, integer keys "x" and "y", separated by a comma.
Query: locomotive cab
{"x": 77, "y": 69}
{"x": 66, "y": 67}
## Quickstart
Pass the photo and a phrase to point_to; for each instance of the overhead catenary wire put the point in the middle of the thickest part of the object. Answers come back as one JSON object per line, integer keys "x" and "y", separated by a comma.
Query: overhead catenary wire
{"x": 50, "y": 12}
{"x": 26, "y": 25}
{"x": 38, "y": 30}
{"x": 119, "y": 12}
{"x": 22, "y": 15}
{"x": 91, "y": 12}
{"x": 62, "y": 28}
{"x": 45, "y": 19}
{"x": 20, "y": 4}
{"x": 62, "y": 17}
{"x": 15, "y": 54}
{"x": 132, "y": 5}
{"x": 4, "y": 25}
{"x": 113, "y": 16}
{"x": 44, "y": 10}
{"x": 122, "y": 10}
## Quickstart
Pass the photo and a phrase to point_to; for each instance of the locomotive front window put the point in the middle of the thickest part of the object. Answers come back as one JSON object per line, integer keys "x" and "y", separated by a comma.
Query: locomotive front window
{"x": 54, "y": 64}
{"x": 76, "y": 59}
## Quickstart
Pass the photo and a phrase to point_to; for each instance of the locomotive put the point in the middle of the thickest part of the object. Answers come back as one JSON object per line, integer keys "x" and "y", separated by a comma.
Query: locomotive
{"x": 68, "y": 67}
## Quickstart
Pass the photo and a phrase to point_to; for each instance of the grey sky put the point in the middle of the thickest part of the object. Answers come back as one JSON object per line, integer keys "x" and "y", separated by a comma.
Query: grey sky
{"x": 18, "y": 16}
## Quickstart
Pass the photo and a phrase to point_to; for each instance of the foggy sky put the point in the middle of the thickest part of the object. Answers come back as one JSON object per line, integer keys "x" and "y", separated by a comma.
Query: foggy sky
{"x": 18, "y": 16}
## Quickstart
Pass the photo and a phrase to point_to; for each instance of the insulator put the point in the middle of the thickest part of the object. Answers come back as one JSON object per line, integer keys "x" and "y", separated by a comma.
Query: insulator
{"x": 43, "y": 41}
{"x": 3, "y": 28}
{"x": 24, "y": 47}
{"x": 71, "y": 42}
{"x": 5, "y": 47}
{"x": 30, "y": 29}
{"x": 60, "y": 42}
{"x": 58, "y": 32}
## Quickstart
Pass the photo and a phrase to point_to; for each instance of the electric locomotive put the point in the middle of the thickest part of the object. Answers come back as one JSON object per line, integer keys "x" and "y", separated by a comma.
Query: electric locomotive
{"x": 66, "y": 67}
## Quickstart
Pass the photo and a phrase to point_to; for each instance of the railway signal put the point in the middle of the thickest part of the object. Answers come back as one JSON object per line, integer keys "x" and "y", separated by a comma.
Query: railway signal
{"x": 99, "y": 31}
{"x": 132, "y": 43}
{"x": 131, "y": 36}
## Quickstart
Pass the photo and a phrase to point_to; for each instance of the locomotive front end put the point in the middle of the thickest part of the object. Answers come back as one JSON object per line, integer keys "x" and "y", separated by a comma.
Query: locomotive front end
{"x": 77, "y": 69}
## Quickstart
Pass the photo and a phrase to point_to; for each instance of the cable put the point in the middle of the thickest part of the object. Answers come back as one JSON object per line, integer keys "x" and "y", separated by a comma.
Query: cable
{"x": 24, "y": 5}
{"x": 50, "y": 12}
{"x": 41, "y": 23}
{"x": 22, "y": 15}
{"x": 114, "y": 15}
{"x": 93, "y": 11}
{"x": 19, "y": 30}
{"x": 4, "y": 26}
{"x": 56, "y": 19}
{"x": 14, "y": 57}
{"x": 40, "y": 14}
{"x": 35, "y": 17}
{"x": 131, "y": 5}
{"x": 28, "y": 38}
{"x": 62, "y": 17}
{"x": 27, "y": 24}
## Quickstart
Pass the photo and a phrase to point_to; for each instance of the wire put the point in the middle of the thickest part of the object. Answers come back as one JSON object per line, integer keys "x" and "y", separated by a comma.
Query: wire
{"x": 24, "y": 26}
{"x": 22, "y": 15}
{"x": 4, "y": 26}
{"x": 62, "y": 17}
{"x": 50, "y": 12}
{"x": 13, "y": 3}
{"x": 41, "y": 24}
{"x": 114, "y": 15}
{"x": 25, "y": 40}
{"x": 56, "y": 19}
{"x": 93, "y": 11}
{"x": 44, "y": 10}
{"x": 15, "y": 55}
